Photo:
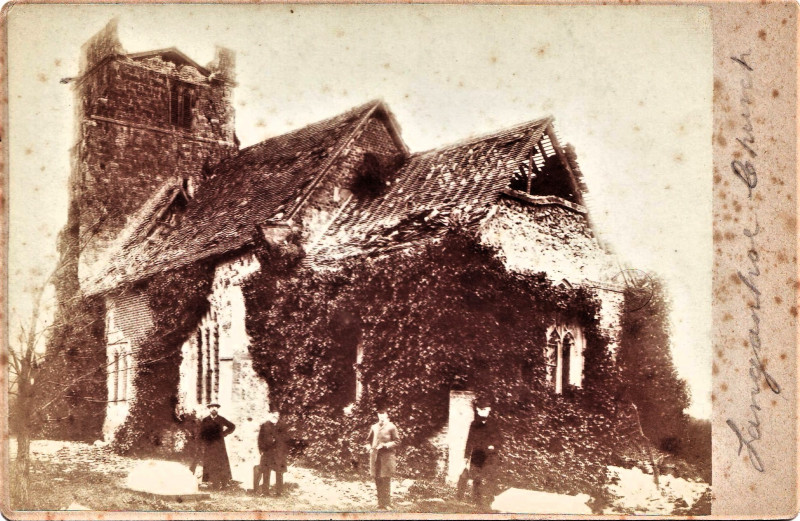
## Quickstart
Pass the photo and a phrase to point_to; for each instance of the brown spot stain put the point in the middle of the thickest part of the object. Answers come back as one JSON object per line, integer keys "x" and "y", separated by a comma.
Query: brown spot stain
{"x": 729, "y": 237}
{"x": 758, "y": 196}
{"x": 28, "y": 151}
{"x": 714, "y": 368}
{"x": 784, "y": 356}
{"x": 679, "y": 158}
{"x": 41, "y": 77}
{"x": 721, "y": 140}
{"x": 727, "y": 317}
{"x": 717, "y": 236}
{"x": 723, "y": 387}
{"x": 778, "y": 300}
{"x": 762, "y": 34}
{"x": 736, "y": 206}
{"x": 775, "y": 93}
{"x": 717, "y": 178}
{"x": 793, "y": 311}
{"x": 734, "y": 277}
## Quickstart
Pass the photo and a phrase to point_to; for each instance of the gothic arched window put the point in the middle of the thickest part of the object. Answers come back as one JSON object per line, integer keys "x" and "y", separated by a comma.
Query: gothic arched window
{"x": 566, "y": 356}
{"x": 115, "y": 372}
{"x": 551, "y": 357}
{"x": 123, "y": 395}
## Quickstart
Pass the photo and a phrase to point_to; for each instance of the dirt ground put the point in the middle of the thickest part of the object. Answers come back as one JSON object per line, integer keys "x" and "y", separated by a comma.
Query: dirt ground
{"x": 75, "y": 476}
{"x": 78, "y": 476}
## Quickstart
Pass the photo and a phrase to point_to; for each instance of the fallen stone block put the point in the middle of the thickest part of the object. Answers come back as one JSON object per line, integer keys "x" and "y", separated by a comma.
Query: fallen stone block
{"x": 166, "y": 480}
{"x": 522, "y": 501}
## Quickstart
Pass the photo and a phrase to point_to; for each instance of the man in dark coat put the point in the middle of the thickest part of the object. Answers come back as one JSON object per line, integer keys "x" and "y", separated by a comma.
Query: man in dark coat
{"x": 273, "y": 444}
{"x": 382, "y": 442}
{"x": 481, "y": 454}
{"x": 213, "y": 429}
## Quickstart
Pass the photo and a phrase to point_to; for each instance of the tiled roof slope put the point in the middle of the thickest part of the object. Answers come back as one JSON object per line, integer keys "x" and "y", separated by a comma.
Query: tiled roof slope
{"x": 456, "y": 182}
{"x": 261, "y": 182}
{"x": 134, "y": 231}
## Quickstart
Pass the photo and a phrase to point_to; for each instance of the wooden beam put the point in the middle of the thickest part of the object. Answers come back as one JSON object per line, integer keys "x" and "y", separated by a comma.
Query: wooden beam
{"x": 564, "y": 161}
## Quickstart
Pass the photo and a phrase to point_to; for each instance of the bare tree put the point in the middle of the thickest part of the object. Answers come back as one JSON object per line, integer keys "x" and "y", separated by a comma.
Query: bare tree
{"x": 29, "y": 396}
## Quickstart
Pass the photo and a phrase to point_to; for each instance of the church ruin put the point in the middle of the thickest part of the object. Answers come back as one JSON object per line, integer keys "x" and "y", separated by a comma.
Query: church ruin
{"x": 159, "y": 182}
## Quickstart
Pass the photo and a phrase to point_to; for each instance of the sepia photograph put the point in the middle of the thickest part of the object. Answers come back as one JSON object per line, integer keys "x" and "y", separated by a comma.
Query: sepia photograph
{"x": 381, "y": 260}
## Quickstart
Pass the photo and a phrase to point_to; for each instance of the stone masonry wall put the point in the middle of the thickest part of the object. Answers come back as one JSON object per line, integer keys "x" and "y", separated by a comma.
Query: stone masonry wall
{"x": 549, "y": 238}
{"x": 611, "y": 300}
{"x": 558, "y": 241}
{"x": 127, "y": 146}
{"x": 221, "y": 335}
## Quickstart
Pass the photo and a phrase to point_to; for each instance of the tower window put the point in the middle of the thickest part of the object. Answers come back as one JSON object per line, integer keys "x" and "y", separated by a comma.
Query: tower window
{"x": 181, "y": 100}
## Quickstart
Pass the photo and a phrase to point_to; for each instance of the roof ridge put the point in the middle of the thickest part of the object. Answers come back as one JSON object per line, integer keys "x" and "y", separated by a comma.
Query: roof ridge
{"x": 368, "y": 110}
{"x": 352, "y": 111}
{"x": 485, "y": 137}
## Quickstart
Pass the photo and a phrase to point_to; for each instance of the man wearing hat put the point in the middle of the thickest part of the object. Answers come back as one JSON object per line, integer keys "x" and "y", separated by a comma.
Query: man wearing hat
{"x": 213, "y": 429}
{"x": 481, "y": 454}
{"x": 381, "y": 443}
{"x": 273, "y": 445}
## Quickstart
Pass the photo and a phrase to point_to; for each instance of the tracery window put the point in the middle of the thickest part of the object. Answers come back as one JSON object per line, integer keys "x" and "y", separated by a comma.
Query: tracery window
{"x": 207, "y": 344}
{"x": 564, "y": 358}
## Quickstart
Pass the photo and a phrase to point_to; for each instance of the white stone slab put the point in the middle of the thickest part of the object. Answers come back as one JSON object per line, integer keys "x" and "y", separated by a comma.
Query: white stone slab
{"x": 166, "y": 478}
{"x": 521, "y": 501}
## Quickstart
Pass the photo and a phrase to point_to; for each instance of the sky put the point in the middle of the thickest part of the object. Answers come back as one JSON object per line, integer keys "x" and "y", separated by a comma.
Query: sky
{"x": 629, "y": 86}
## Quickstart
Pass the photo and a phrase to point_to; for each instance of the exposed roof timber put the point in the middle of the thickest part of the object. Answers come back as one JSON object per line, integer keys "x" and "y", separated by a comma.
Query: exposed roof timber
{"x": 550, "y": 132}
{"x": 544, "y": 200}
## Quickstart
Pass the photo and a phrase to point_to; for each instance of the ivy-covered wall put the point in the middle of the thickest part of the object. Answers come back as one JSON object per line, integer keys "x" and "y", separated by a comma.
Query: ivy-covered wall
{"x": 445, "y": 316}
{"x": 412, "y": 325}
{"x": 177, "y": 299}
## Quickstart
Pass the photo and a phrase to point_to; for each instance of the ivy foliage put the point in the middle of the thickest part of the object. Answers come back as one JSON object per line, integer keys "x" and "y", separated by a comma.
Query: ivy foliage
{"x": 177, "y": 300}
{"x": 445, "y": 316}
{"x": 646, "y": 366}
{"x": 70, "y": 390}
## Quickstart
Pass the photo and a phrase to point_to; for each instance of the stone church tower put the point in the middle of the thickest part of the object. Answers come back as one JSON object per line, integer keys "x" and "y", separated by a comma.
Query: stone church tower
{"x": 142, "y": 120}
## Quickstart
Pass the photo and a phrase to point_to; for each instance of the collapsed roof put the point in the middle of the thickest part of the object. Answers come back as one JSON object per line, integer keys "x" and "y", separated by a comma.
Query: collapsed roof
{"x": 268, "y": 181}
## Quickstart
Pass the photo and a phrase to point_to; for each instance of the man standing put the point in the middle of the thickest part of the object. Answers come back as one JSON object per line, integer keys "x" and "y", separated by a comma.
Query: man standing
{"x": 481, "y": 454}
{"x": 213, "y": 429}
{"x": 382, "y": 442}
{"x": 273, "y": 444}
